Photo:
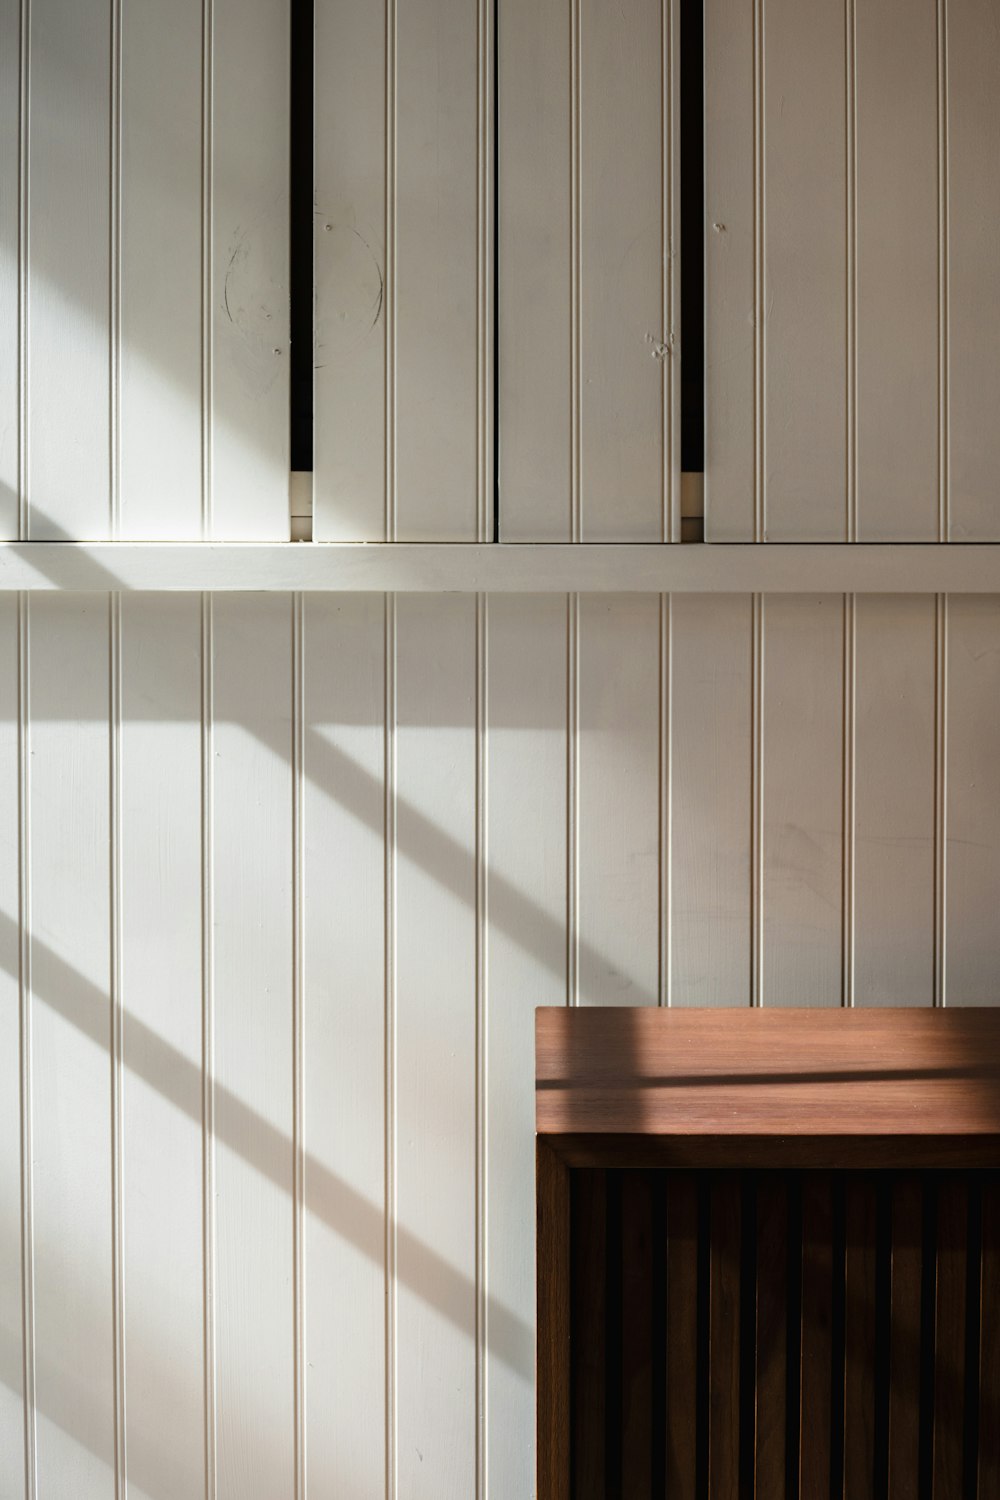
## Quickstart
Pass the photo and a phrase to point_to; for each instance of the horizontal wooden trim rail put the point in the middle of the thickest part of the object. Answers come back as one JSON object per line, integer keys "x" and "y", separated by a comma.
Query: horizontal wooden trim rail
{"x": 469, "y": 568}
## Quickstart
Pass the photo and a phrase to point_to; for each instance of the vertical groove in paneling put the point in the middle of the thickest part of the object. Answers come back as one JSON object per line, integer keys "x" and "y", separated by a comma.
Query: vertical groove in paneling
{"x": 940, "y": 797}
{"x": 115, "y": 978}
{"x": 115, "y": 281}
{"x": 575, "y": 254}
{"x": 389, "y": 897}
{"x": 300, "y": 1358}
{"x": 665, "y": 806}
{"x": 943, "y": 288}
{"x": 207, "y": 266}
{"x": 848, "y": 823}
{"x": 757, "y": 802}
{"x": 482, "y": 1046}
{"x": 390, "y": 303}
{"x": 484, "y": 272}
{"x": 759, "y": 281}
{"x": 14, "y": 187}
{"x": 208, "y": 1041}
{"x": 851, "y": 266}
{"x": 670, "y": 525}
{"x": 26, "y": 1003}
{"x": 572, "y": 797}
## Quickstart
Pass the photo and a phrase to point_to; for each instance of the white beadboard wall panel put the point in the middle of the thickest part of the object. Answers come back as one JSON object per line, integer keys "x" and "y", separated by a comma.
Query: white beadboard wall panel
{"x": 609, "y": 283}
{"x": 74, "y": 1140}
{"x": 10, "y": 265}
{"x": 973, "y": 280}
{"x": 343, "y": 1042}
{"x": 801, "y": 749}
{"x": 160, "y": 837}
{"x": 972, "y": 871}
{"x": 617, "y": 755}
{"x": 404, "y": 274}
{"x": 68, "y": 370}
{"x": 894, "y": 806}
{"x": 896, "y": 318}
{"x": 526, "y": 967}
{"x": 13, "y": 1100}
{"x": 711, "y": 799}
{"x": 251, "y": 1011}
{"x": 160, "y": 431}
{"x": 436, "y": 1006}
{"x": 248, "y": 255}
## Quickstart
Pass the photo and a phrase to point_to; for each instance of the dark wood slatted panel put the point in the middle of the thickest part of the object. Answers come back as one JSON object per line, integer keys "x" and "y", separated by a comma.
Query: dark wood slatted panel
{"x": 782, "y": 1336}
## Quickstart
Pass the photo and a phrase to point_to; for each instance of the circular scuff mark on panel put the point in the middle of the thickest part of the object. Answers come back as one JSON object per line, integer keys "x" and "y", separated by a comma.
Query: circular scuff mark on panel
{"x": 350, "y": 291}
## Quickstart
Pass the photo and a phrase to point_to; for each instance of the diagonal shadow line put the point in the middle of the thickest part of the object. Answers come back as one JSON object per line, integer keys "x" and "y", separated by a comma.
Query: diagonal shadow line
{"x": 243, "y": 1130}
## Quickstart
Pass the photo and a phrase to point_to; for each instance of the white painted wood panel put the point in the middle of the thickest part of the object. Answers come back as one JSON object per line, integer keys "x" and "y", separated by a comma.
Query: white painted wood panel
{"x": 801, "y": 750}
{"x": 252, "y": 1277}
{"x": 894, "y": 753}
{"x": 343, "y": 1044}
{"x": 160, "y": 837}
{"x": 67, "y": 379}
{"x": 10, "y": 266}
{"x": 14, "y": 1101}
{"x": 404, "y": 272}
{"x": 437, "y": 1002}
{"x": 972, "y": 817}
{"x": 526, "y": 956}
{"x": 162, "y": 307}
{"x": 973, "y": 281}
{"x": 616, "y": 747}
{"x": 711, "y": 808}
{"x": 588, "y": 424}
{"x": 71, "y": 1020}
{"x": 896, "y": 321}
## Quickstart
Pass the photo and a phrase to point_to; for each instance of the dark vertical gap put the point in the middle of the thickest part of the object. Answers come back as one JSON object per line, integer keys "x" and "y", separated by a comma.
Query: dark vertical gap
{"x": 702, "y": 1372}
{"x": 928, "y": 1311}
{"x": 748, "y": 1333}
{"x": 883, "y": 1329}
{"x": 692, "y": 234}
{"x": 793, "y": 1337}
{"x": 973, "y": 1292}
{"x": 300, "y": 229}
{"x": 613, "y": 1341}
{"x": 838, "y": 1329}
{"x": 658, "y": 1457}
{"x": 496, "y": 271}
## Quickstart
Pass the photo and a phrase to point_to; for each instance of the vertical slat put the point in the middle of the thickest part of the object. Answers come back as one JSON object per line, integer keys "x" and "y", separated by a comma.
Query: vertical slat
{"x": 802, "y": 791}
{"x": 526, "y": 954}
{"x": 67, "y": 381}
{"x": 588, "y": 387}
{"x": 162, "y": 1040}
{"x": 973, "y": 166}
{"x": 989, "y": 1344}
{"x": 711, "y": 785}
{"x": 724, "y": 1342}
{"x": 344, "y": 1042}
{"x": 534, "y": 241}
{"x": 552, "y": 1196}
{"x": 71, "y": 1035}
{"x": 160, "y": 433}
{"x": 817, "y": 1332}
{"x": 802, "y": 392}
{"x": 617, "y": 839}
{"x": 905, "y": 1337}
{"x": 588, "y": 1348}
{"x": 859, "y": 1338}
{"x": 252, "y": 836}
{"x": 248, "y": 254}
{"x": 436, "y": 1045}
{"x": 637, "y": 1335}
{"x": 895, "y": 769}
{"x": 949, "y": 1341}
{"x": 897, "y": 272}
{"x": 682, "y": 1334}
{"x": 771, "y": 1314}
{"x": 731, "y": 223}
{"x": 14, "y": 1022}
{"x": 973, "y": 799}
{"x": 11, "y": 189}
